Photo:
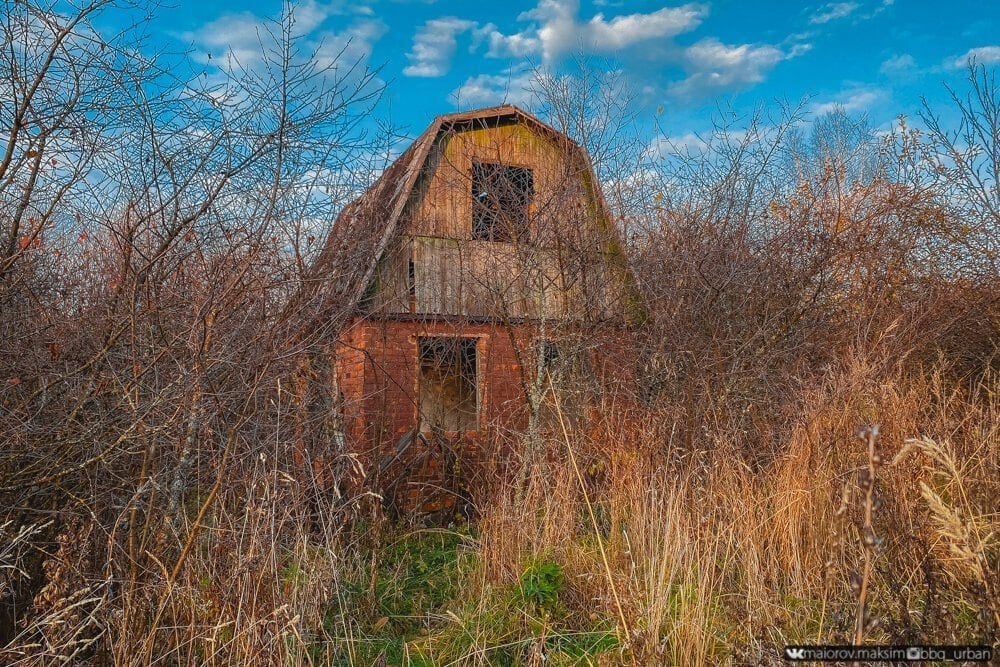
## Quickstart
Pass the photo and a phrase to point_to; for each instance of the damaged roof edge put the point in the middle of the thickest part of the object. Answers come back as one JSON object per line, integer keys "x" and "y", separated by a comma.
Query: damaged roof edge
{"x": 354, "y": 244}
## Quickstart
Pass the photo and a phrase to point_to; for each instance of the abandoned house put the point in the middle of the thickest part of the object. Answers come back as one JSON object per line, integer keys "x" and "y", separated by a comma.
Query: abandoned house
{"x": 471, "y": 278}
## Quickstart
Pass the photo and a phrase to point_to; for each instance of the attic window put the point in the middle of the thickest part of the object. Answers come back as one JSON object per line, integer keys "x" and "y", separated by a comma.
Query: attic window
{"x": 501, "y": 196}
{"x": 448, "y": 383}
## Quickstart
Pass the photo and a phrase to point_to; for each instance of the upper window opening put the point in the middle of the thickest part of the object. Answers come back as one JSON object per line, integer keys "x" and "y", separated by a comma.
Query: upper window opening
{"x": 501, "y": 198}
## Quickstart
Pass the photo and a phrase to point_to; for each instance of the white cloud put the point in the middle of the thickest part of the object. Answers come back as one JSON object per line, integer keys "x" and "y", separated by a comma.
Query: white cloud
{"x": 899, "y": 64}
{"x": 310, "y": 15}
{"x": 555, "y": 29}
{"x": 434, "y": 45}
{"x": 348, "y": 46}
{"x": 235, "y": 36}
{"x": 488, "y": 89}
{"x": 849, "y": 101}
{"x": 833, "y": 11}
{"x": 981, "y": 55}
{"x": 244, "y": 36}
{"x": 517, "y": 45}
{"x": 798, "y": 50}
{"x": 713, "y": 66}
{"x": 622, "y": 31}
{"x": 558, "y": 29}
{"x": 562, "y": 31}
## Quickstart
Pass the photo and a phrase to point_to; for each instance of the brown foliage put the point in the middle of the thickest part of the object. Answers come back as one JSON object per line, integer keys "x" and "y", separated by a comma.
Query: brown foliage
{"x": 156, "y": 379}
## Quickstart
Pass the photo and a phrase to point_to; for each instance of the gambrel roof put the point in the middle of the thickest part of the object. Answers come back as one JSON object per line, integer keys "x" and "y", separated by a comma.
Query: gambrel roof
{"x": 366, "y": 227}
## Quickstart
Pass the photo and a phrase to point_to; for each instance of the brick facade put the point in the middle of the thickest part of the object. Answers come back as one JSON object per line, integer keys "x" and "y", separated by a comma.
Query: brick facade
{"x": 378, "y": 376}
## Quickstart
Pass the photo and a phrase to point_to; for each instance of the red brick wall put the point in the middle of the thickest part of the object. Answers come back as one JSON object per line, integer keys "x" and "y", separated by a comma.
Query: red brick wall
{"x": 377, "y": 369}
{"x": 377, "y": 372}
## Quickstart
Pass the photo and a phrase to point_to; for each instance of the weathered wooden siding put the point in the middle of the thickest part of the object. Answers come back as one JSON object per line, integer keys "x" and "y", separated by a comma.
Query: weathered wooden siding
{"x": 441, "y": 205}
{"x": 483, "y": 279}
{"x": 561, "y": 272}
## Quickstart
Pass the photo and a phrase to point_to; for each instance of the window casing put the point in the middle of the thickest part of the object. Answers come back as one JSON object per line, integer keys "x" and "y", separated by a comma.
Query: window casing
{"x": 501, "y": 202}
{"x": 449, "y": 382}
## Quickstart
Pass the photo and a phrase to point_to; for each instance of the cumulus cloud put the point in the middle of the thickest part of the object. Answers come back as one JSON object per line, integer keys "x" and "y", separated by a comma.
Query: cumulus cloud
{"x": 833, "y": 11}
{"x": 713, "y": 66}
{"x": 981, "y": 55}
{"x": 555, "y": 28}
{"x": 239, "y": 36}
{"x": 562, "y": 30}
{"x": 434, "y": 45}
{"x": 851, "y": 101}
{"x": 517, "y": 45}
{"x": 235, "y": 36}
{"x": 351, "y": 45}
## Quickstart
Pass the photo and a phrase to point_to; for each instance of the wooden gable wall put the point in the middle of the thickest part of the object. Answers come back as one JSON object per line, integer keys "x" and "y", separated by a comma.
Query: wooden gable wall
{"x": 570, "y": 268}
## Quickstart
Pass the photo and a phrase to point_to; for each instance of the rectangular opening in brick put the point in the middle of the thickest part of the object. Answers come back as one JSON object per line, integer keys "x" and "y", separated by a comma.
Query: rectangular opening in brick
{"x": 501, "y": 200}
{"x": 563, "y": 372}
{"x": 448, "y": 383}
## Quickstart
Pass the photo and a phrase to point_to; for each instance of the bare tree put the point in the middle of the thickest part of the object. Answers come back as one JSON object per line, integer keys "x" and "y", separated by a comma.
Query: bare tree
{"x": 154, "y": 226}
{"x": 961, "y": 165}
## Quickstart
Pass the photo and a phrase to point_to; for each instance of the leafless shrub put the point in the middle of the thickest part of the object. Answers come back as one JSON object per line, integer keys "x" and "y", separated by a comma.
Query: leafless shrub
{"x": 173, "y": 481}
{"x": 154, "y": 227}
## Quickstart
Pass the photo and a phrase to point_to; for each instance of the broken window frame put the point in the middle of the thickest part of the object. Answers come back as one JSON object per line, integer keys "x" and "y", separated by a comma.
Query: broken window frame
{"x": 565, "y": 368}
{"x": 449, "y": 359}
{"x": 501, "y": 202}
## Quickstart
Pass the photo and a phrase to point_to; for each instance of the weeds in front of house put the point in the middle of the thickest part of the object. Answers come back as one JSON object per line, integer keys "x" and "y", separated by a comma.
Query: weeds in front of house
{"x": 714, "y": 561}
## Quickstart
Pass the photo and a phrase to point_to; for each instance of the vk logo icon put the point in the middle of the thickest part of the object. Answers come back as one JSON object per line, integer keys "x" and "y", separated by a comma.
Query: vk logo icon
{"x": 795, "y": 653}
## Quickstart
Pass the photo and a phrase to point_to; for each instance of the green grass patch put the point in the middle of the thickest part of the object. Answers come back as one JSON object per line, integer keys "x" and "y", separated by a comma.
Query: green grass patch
{"x": 414, "y": 576}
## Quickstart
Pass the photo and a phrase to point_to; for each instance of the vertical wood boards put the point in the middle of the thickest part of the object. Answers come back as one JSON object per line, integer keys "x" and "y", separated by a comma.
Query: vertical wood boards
{"x": 560, "y": 272}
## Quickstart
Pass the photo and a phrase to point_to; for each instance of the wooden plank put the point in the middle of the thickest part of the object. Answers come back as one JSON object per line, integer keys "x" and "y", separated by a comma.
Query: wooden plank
{"x": 561, "y": 272}
{"x": 443, "y": 204}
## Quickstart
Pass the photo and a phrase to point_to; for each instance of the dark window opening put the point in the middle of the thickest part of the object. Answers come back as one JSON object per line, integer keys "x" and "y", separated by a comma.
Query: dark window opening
{"x": 501, "y": 201}
{"x": 549, "y": 352}
{"x": 411, "y": 286}
{"x": 449, "y": 397}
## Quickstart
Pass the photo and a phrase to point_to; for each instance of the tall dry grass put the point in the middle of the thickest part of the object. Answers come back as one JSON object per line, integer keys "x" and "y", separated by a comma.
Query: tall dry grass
{"x": 718, "y": 561}
{"x": 669, "y": 554}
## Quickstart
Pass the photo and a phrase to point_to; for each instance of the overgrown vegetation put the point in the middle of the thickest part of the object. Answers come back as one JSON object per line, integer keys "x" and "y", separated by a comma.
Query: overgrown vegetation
{"x": 713, "y": 506}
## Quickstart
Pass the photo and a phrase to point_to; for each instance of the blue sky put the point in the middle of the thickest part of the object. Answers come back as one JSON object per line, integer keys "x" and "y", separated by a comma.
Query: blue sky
{"x": 873, "y": 57}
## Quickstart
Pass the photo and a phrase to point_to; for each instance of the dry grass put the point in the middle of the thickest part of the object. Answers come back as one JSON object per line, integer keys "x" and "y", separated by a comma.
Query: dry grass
{"x": 683, "y": 557}
{"x": 719, "y": 561}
